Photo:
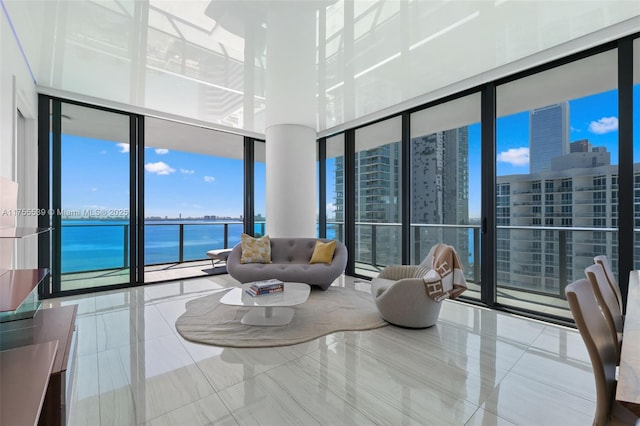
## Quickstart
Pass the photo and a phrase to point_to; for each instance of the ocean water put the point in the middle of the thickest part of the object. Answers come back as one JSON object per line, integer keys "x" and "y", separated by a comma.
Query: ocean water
{"x": 89, "y": 245}
{"x": 93, "y": 245}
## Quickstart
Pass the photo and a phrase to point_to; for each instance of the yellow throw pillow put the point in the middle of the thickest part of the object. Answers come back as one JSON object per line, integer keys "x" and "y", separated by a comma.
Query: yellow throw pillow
{"x": 323, "y": 252}
{"x": 255, "y": 250}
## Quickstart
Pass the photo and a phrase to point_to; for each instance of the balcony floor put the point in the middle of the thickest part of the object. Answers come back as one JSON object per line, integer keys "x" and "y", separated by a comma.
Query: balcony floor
{"x": 152, "y": 274}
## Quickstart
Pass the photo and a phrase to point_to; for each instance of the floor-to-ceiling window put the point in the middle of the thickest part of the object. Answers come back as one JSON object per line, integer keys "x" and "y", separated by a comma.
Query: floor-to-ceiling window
{"x": 445, "y": 182}
{"x": 108, "y": 169}
{"x": 557, "y": 180}
{"x": 193, "y": 198}
{"x": 92, "y": 238}
{"x": 553, "y": 191}
{"x": 636, "y": 151}
{"x": 335, "y": 187}
{"x": 378, "y": 231}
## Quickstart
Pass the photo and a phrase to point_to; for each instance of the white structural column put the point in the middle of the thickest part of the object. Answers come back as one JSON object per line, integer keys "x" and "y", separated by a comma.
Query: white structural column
{"x": 291, "y": 120}
{"x": 291, "y": 181}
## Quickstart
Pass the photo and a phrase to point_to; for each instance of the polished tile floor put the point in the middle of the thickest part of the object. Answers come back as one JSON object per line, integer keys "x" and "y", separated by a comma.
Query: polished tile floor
{"x": 475, "y": 367}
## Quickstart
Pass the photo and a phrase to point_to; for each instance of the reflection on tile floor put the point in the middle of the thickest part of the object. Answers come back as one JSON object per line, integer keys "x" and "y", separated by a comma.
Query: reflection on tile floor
{"x": 475, "y": 367}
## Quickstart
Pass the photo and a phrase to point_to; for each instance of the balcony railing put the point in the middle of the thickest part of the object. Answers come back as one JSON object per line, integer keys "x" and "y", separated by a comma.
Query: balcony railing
{"x": 379, "y": 244}
{"x": 104, "y": 246}
{"x": 94, "y": 247}
{"x": 191, "y": 243}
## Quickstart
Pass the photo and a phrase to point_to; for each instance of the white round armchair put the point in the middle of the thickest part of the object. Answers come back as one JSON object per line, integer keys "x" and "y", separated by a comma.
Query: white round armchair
{"x": 411, "y": 295}
{"x": 401, "y": 298}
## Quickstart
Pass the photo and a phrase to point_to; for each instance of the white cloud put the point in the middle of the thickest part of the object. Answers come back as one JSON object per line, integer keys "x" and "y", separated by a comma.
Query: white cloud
{"x": 159, "y": 168}
{"x": 209, "y": 179}
{"x": 515, "y": 156}
{"x": 94, "y": 189}
{"x": 103, "y": 152}
{"x": 187, "y": 171}
{"x": 124, "y": 147}
{"x": 161, "y": 151}
{"x": 331, "y": 207}
{"x": 604, "y": 125}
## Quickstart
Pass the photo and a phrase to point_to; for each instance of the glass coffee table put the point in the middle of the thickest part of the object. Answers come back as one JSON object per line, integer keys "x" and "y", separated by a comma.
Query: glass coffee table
{"x": 268, "y": 309}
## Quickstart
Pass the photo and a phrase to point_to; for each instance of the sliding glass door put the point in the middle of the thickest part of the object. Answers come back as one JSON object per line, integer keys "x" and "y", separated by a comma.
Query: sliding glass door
{"x": 446, "y": 183}
{"x": 556, "y": 181}
{"x": 377, "y": 194}
{"x": 193, "y": 198}
{"x": 91, "y": 203}
{"x": 136, "y": 200}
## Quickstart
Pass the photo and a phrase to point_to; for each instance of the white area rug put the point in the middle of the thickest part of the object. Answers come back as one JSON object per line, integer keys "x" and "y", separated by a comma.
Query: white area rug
{"x": 336, "y": 309}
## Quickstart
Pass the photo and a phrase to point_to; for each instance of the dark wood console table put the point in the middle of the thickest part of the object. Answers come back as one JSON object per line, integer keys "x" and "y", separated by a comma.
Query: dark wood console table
{"x": 55, "y": 325}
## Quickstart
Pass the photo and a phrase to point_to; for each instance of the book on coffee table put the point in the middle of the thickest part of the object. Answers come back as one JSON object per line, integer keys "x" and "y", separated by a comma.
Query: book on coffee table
{"x": 265, "y": 287}
{"x": 253, "y": 292}
{"x": 267, "y": 283}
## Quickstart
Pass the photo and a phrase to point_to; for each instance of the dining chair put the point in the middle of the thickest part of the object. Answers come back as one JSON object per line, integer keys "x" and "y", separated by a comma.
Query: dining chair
{"x": 608, "y": 271}
{"x": 607, "y": 300}
{"x": 602, "y": 348}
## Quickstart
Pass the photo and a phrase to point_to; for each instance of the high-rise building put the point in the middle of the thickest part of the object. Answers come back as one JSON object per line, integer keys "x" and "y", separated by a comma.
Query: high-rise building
{"x": 549, "y": 135}
{"x": 583, "y": 196}
{"x": 439, "y": 189}
{"x": 582, "y": 145}
{"x": 440, "y": 182}
{"x": 378, "y": 184}
{"x": 377, "y": 190}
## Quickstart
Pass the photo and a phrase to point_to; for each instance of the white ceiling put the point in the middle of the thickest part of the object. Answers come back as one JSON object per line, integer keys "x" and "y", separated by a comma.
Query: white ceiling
{"x": 205, "y": 61}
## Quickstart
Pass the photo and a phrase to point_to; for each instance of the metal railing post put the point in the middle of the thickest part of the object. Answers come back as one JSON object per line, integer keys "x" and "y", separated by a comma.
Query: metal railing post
{"x": 181, "y": 244}
{"x": 125, "y": 260}
{"x": 417, "y": 245}
{"x": 476, "y": 255}
{"x": 562, "y": 262}
{"x": 226, "y": 235}
{"x": 374, "y": 238}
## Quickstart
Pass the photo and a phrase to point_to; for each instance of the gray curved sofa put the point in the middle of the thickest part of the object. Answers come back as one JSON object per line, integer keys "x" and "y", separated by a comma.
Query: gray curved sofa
{"x": 290, "y": 262}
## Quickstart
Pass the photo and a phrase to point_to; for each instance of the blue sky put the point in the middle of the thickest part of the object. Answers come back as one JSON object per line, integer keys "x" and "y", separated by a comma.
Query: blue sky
{"x": 195, "y": 185}
{"x": 96, "y": 173}
{"x": 593, "y": 117}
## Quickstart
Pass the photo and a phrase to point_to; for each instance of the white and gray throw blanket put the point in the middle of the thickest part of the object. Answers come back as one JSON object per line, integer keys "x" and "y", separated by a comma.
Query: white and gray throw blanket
{"x": 445, "y": 279}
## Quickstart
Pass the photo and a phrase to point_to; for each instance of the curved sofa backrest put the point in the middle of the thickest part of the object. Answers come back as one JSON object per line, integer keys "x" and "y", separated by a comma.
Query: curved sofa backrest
{"x": 292, "y": 250}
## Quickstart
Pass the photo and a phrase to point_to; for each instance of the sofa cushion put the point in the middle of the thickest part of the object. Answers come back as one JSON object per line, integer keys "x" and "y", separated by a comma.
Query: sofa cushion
{"x": 292, "y": 250}
{"x": 255, "y": 250}
{"x": 323, "y": 252}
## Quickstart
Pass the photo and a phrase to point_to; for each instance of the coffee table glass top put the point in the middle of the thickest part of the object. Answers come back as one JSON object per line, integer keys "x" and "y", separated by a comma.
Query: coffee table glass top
{"x": 293, "y": 294}
{"x": 268, "y": 309}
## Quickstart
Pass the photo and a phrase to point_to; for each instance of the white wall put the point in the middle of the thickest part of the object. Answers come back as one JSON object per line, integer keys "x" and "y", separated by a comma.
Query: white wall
{"x": 18, "y": 162}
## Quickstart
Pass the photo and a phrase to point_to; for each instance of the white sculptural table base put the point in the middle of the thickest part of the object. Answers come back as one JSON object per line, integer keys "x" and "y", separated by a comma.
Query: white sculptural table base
{"x": 269, "y": 309}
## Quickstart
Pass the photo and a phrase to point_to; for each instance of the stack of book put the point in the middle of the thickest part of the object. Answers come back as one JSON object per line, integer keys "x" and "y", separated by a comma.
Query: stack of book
{"x": 259, "y": 288}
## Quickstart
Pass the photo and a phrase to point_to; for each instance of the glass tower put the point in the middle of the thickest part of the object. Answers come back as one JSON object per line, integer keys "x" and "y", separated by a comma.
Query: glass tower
{"x": 549, "y": 138}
